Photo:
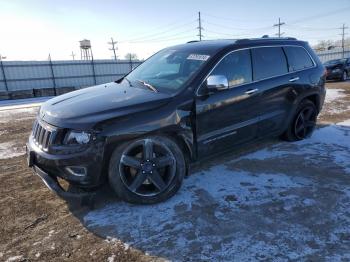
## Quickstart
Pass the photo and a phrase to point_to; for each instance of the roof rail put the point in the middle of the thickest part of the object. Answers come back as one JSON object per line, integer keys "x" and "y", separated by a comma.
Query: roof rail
{"x": 192, "y": 41}
{"x": 264, "y": 38}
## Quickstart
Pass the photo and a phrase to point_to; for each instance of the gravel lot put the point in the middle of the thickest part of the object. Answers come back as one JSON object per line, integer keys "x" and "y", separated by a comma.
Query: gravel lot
{"x": 272, "y": 200}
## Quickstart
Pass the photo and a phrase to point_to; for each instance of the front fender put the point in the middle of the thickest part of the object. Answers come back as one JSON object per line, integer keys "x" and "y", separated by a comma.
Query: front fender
{"x": 176, "y": 123}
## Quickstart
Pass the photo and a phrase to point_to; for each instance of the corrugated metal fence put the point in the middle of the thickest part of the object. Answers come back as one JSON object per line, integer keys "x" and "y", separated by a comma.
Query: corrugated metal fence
{"x": 29, "y": 75}
{"x": 332, "y": 54}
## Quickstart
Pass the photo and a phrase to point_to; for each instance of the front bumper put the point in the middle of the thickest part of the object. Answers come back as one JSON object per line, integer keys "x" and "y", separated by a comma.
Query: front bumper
{"x": 49, "y": 167}
{"x": 334, "y": 75}
{"x": 53, "y": 185}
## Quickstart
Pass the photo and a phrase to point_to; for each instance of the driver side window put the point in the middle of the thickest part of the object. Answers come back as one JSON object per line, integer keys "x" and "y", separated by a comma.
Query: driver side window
{"x": 236, "y": 67}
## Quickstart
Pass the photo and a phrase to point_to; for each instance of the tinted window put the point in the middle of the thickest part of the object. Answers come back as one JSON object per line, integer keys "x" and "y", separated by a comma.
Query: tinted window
{"x": 298, "y": 58}
{"x": 268, "y": 62}
{"x": 236, "y": 67}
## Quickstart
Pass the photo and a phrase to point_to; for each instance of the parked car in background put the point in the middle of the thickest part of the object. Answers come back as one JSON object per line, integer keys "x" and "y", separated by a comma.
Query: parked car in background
{"x": 184, "y": 104}
{"x": 338, "y": 69}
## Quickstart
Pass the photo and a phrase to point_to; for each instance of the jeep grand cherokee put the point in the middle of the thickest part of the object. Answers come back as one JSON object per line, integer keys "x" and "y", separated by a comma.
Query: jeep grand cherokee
{"x": 185, "y": 103}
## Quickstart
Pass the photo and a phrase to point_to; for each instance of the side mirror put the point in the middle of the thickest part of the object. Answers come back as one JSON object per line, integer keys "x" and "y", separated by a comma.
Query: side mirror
{"x": 217, "y": 83}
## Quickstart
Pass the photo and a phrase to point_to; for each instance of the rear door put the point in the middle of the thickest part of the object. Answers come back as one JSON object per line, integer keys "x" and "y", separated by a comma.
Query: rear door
{"x": 272, "y": 80}
{"x": 227, "y": 117}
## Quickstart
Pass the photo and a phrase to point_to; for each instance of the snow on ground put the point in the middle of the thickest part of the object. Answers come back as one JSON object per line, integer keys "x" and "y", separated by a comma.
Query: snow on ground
{"x": 289, "y": 200}
{"x": 18, "y": 115}
{"x": 11, "y": 149}
{"x": 22, "y": 103}
{"x": 334, "y": 103}
{"x": 334, "y": 94}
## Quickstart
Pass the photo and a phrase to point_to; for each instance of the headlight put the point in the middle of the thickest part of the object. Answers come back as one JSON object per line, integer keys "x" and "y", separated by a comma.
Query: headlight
{"x": 77, "y": 137}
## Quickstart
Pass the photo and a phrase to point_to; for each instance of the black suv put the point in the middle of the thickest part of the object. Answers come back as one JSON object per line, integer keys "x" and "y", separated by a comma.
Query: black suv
{"x": 338, "y": 69}
{"x": 183, "y": 104}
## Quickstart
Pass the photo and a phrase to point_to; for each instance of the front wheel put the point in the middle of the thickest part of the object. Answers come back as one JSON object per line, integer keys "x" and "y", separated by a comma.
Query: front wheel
{"x": 303, "y": 123}
{"x": 147, "y": 170}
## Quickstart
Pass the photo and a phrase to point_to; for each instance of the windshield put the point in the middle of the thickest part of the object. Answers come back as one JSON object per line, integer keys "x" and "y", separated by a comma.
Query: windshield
{"x": 168, "y": 70}
{"x": 335, "y": 61}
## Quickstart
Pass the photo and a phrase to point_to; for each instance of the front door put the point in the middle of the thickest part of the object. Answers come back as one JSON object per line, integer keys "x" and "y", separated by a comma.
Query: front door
{"x": 228, "y": 117}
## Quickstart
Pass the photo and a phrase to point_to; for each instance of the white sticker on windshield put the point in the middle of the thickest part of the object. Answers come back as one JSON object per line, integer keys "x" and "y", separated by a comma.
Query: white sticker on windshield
{"x": 198, "y": 57}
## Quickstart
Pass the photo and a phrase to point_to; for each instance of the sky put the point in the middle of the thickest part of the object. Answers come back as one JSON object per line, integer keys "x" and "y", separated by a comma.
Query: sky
{"x": 33, "y": 29}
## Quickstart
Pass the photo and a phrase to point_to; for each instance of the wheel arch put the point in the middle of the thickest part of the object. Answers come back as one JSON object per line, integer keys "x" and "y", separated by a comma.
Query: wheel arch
{"x": 183, "y": 139}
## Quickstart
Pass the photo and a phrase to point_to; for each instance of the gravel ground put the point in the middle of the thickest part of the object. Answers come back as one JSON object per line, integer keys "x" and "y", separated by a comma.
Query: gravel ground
{"x": 271, "y": 201}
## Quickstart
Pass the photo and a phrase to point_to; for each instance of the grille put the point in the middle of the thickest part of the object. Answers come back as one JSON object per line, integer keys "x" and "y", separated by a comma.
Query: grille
{"x": 42, "y": 135}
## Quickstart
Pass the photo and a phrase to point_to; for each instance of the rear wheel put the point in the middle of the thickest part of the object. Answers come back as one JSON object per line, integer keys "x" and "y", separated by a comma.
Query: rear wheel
{"x": 303, "y": 123}
{"x": 147, "y": 170}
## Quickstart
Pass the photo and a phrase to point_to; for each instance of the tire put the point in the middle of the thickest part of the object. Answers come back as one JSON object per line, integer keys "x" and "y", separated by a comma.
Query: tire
{"x": 294, "y": 132}
{"x": 136, "y": 167}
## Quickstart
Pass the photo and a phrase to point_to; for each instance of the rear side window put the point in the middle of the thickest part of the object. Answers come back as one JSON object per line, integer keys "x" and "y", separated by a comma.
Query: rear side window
{"x": 236, "y": 67}
{"x": 298, "y": 58}
{"x": 268, "y": 62}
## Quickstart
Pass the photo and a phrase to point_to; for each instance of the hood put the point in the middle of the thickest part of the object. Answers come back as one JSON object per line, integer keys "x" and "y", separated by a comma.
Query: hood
{"x": 84, "y": 108}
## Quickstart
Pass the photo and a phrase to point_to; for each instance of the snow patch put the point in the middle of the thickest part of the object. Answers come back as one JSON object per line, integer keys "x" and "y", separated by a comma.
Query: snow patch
{"x": 334, "y": 94}
{"x": 330, "y": 141}
{"x": 14, "y": 258}
{"x": 10, "y": 150}
{"x": 111, "y": 258}
{"x": 231, "y": 212}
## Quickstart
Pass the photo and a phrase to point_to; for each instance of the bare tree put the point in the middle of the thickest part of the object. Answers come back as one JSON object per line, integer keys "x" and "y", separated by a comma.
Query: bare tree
{"x": 131, "y": 56}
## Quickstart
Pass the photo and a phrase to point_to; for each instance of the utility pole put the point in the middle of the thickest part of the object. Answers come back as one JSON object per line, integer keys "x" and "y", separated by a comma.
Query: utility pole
{"x": 114, "y": 47}
{"x": 73, "y": 55}
{"x": 200, "y": 28}
{"x": 343, "y": 39}
{"x": 279, "y": 27}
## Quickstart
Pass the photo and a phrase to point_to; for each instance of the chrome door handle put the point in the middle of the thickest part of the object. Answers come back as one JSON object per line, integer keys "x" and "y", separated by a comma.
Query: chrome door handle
{"x": 294, "y": 79}
{"x": 251, "y": 91}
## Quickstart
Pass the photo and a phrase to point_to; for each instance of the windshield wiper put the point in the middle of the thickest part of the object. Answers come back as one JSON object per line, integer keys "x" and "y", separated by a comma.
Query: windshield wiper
{"x": 148, "y": 85}
{"x": 128, "y": 81}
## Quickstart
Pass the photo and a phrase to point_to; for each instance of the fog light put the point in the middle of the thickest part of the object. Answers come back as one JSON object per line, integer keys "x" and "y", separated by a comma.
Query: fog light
{"x": 76, "y": 170}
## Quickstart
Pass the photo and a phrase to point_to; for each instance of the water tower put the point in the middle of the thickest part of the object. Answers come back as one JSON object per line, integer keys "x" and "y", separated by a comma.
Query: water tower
{"x": 85, "y": 49}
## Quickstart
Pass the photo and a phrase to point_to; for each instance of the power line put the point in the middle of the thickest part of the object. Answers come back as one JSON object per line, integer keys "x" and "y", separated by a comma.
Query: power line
{"x": 236, "y": 20}
{"x": 307, "y": 28}
{"x": 200, "y": 28}
{"x": 238, "y": 28}
{"x": 279, "y": 27}
{"x": 114, "y": 47}
{"x": 320, "y": 15}
{"x": 162, "y": 37}
{"x": 169, "y": 29}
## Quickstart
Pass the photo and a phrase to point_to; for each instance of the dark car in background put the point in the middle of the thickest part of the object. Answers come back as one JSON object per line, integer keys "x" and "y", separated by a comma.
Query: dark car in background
{"x": 338, "y": 69}
{"x": 186, "y": 103}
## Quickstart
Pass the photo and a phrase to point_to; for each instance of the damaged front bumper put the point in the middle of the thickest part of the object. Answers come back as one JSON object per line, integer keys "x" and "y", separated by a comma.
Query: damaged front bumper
{"x": 82, "y": 170}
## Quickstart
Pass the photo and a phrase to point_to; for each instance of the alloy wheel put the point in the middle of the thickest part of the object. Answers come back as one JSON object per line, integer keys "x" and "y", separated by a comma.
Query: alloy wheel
{"x": 305, "y": 122}
{"x": 147, "y": 167}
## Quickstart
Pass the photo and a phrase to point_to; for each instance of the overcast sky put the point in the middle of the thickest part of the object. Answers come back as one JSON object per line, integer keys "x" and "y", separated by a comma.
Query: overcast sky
{"x": 31, "y": 29}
